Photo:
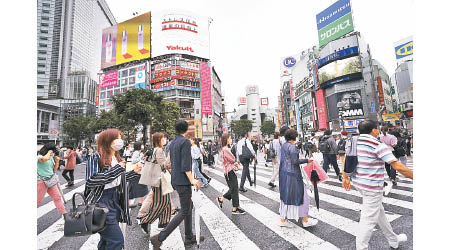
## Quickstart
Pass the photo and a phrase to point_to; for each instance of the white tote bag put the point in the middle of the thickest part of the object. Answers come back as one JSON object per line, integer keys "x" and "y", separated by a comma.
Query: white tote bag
{"x": 166, "y": 184}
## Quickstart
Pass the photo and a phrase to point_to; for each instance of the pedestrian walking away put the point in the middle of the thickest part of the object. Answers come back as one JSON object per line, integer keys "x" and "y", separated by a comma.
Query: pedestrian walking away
{"x": 182, "y": 179}
{"x": 245, "y": 159}
{"x": 196, "y": 157}
{"x": 47, "y": 163}
{"x": 156, "y": 205}
{"x": 136, "y": 191}
{"x": 372, "y": 154}
{"x": 276, "y": 145}
{"x": 230, "y": 165}
{"x": 108, "y": 187}
{"x": 328, "y": 147}
{"x": 70, "y": 165}
{"x": 294, "y": 198}
{"x": 390, "y": 141}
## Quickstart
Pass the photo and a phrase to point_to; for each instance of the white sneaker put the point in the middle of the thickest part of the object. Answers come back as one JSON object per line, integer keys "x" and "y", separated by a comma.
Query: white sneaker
{"x": 285, "y": 224}
{"x": 400, "y": 238}
{"x": 388, "y": 188}
{"x": 311, "y": 222}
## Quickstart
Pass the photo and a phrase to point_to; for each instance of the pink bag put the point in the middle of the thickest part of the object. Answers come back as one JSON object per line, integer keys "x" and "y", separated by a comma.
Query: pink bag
{"x": 314, "y": 165}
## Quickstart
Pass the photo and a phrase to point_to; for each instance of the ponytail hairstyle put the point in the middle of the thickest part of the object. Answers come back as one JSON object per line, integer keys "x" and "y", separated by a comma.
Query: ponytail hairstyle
{"x": 104, "y": 141}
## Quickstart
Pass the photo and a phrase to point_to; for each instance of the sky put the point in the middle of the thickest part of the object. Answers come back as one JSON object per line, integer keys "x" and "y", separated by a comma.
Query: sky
{"x": 248, "y": 38}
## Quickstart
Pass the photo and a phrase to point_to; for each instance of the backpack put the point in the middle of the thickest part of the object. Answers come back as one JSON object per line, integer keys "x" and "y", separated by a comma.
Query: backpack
{"x": 78, "y": 160}
{"x": 324, "y": 146}
{"x": 341, "y": 145}
{"x": 400, "y": 148}
{"x": 233, "y": 150}
{"x": 351, "y": 157}
{"x": 246, "y": 153}
{"x": 271, "y": 153}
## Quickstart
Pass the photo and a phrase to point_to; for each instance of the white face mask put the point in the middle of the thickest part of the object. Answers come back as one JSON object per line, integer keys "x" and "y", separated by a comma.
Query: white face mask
{"x": 163, "y": 141}
{"x": 117, "y": 144}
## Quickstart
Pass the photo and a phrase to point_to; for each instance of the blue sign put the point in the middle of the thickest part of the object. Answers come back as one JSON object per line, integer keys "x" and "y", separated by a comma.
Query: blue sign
{"x": 289, "y": 62}
{"x": 404, "y": 50}
{"x": 333, "y": 13}
{"x": 139, "y": 85}
{"x": 372, "y": 107}
{"x": 337, "y": 55}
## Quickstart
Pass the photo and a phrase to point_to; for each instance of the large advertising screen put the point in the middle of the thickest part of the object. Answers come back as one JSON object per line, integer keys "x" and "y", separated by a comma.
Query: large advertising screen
{"x": 340, "y": 70}
{"x": 352, "y": 103}
{"x": 176, "y": 31}
{"x": 109, "y": 41}
{"x": 133, "y": 39}
{"x": 334, "y": 22}
{"x": 205, "y": 79}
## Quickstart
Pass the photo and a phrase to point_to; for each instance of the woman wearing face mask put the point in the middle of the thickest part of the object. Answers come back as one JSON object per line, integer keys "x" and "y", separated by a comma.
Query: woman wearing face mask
{"x": 136, "y": 190}
{"x": 46, "y": 166}
{"x": 107, "y": 186}
{"x": 156, "y": 205}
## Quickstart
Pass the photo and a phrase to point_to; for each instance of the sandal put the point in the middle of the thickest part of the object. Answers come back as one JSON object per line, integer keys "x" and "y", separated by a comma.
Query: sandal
{"x": 219, "y": 202}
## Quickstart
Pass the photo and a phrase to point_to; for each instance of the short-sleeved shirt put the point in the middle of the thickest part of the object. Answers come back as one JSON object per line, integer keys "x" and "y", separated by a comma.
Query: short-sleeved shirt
{"x": 372, "y": 154}
{"x": 181, "y": 160}
{"x": 45, "y": 169}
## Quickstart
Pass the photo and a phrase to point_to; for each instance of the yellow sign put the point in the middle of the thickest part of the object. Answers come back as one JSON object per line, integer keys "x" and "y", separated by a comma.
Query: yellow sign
{"x": 392, "y": 117}
{"x": 405, "y": 50}
{"x": 133, "y": 39}
{"x": 198, "y": 128}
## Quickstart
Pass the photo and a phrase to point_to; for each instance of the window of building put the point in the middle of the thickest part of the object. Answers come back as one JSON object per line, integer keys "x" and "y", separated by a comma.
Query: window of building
{"x": 46, "y": 11}
{"x": 44, "y": 24}
{"x": 40, "y": 72}
{"x": 102, "y": 95}
{"x": 109, "y": 94}
{"x": 124, "y": 73}
{"x": 131, "y": 80}
{"x": 45, "y": 18}
{"x": 46, "y": 4}
{"x": 43, "y": 45}
{"x": 44, "y": 31}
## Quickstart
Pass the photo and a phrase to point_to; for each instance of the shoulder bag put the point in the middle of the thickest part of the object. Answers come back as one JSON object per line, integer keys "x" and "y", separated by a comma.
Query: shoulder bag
{"x": 86, "y": 219}
{"x": 50, "y": 181}
{"x": 166, "y": 185}
{"x": 151, "y": 172}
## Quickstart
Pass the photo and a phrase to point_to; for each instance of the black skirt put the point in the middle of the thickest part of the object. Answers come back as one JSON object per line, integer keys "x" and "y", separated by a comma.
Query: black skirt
{"x": 136, "y": 190}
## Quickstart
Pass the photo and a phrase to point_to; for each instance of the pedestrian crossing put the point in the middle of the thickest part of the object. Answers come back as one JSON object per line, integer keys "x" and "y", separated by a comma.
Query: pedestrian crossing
{"x": 259, "y": 228}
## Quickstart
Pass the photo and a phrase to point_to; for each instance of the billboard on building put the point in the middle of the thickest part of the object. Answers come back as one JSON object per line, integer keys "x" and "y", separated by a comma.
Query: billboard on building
{"x": 109, "y": 79}
{"x": 133, "y": 39}
{"x": 181, "y": 32}
{"x": 139, "y": 81}
{"x": 206, "y": 96}
{"x": 340, "y": 70}
{"x": 242, "y": 100}
{"x": 331, "y": 51}
{"x": 321, "y": 109}
{"x": 404, "y": 49}
{"x": 334, "y": 22}
{"x": 109, "y": 42}
{"x": 352, "y": 103}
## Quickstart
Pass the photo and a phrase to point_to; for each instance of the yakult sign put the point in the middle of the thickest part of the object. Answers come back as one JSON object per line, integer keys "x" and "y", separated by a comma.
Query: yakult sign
{"x": 334, "y": 22}
{"x": 179, "y": 32}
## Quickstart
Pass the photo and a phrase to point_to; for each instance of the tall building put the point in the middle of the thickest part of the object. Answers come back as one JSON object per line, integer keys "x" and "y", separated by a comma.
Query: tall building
{"x": 68, "y": 38}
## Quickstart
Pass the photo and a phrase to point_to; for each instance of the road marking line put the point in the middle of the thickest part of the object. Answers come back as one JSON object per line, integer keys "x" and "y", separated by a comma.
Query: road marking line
{"x": 174, "y": 241}
{"x": 91, "y": 243}
{"x": 296, "y": 235}
{"x": 65, "y": 188}
{"x": 42, "y": 210}
{"x": 50, "y": 235}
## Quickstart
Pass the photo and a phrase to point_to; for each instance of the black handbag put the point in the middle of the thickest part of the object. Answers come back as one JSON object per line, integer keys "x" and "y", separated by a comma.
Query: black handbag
{"x": 86, "y": 219}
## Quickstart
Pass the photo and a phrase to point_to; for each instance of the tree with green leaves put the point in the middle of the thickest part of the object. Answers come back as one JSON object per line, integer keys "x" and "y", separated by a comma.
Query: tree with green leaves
{"x": 239, "y": 127}
{"x": 268, "y": 128}
{"x": 166, "y": 118}
{"x": 79, "y": 128}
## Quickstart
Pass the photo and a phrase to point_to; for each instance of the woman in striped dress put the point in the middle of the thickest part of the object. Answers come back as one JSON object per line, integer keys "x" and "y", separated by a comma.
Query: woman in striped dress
{"x": 161, "y": 205}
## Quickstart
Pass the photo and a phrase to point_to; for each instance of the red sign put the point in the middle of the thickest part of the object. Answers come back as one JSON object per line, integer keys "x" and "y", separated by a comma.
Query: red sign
{"x": 109, "y": 79}
{"x": 163, "y": 84}
{"x": 161, "y": 74}
{"x": 206, "y": 97}
{"x": 265, "y": 101}
{"x": 321, "y": 109}
{"x": 242, "y": 100}
{"x": 184, "y": 72}
{"x": 380, "y": 91}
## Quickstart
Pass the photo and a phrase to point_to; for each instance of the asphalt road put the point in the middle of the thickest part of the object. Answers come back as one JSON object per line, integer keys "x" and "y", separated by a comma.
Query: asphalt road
{"x": 258, "y": 229}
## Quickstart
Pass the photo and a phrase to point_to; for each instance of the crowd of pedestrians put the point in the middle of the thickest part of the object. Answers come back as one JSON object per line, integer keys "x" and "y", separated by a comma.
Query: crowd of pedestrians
{"x": 121, "y": 177}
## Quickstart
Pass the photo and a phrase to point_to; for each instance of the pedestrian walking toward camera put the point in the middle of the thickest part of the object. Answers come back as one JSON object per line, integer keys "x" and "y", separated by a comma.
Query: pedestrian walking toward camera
{"x": 47, "y": 163}
{"x": 245, "y": 154}
{"x": 182, "y": 179}
{"x": 329, "y": 150}
{"x": 137, "y": 191}
{"x": 230, "y": 165}
{"x": 108, "y": 187}
{"x": 295, "y": 201}
{"x": 70, "y": 166}
{"x": 372, "y": 154}
{"x": 156, "y": 205}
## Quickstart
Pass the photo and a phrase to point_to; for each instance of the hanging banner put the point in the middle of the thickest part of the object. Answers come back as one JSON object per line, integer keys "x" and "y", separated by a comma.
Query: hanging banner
{"x": 392, "y": 117}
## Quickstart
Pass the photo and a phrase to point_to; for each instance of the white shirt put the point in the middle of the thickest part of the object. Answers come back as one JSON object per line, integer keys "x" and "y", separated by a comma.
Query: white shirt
{"x": 241, "y": 143}
{"x": 115, "y": 182}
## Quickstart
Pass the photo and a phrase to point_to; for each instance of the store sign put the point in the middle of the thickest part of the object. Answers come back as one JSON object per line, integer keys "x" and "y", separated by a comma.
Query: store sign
{"x": 380, "y": 91}
{"x": 265, "y": 101}
{"x": 289, "y": 62}
{"x": 189, "y": 65}
{"x": 340, "y": 27}
{"x": 139, "y": 76}
{"x": 404, "y": 50}
{"x": 184, "y": 72}
{"x": 321, "y": 109}
{"x": 333, "y": 13}
{"x": 253, "y": 89}
{"x": 161, "y": 74}
{"x": 337, "y": 55}
{"x": 206, "y": 97}
{"x": 392, "y": 117}
{"x": 162, "y": 66}
{"x": 109, "y": 79}
{"x": 242, "y": 100}
{"x": 161, "y": 85}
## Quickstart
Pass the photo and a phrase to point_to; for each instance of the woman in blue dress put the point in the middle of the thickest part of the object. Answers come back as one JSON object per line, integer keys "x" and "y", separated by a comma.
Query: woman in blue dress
{"x": 295, "y": 201}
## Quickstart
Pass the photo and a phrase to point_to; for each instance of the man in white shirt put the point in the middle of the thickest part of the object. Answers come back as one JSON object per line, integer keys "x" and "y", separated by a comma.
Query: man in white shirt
{"x": 277, "y": 142}
{"x": 245, "y": 162}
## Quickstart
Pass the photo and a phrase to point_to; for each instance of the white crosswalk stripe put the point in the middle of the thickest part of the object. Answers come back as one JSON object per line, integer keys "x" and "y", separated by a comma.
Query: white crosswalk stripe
{"x": 75, "y": 182}
{"x": 335, "y": 211}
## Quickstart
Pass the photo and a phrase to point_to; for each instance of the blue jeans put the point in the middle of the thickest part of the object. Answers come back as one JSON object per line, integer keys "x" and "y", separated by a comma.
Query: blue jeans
{"x": 111, "y": 238}
{"x": 197, "y": 172}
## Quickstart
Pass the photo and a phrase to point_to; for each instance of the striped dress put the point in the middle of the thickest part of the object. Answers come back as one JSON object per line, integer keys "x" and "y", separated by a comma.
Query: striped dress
{"x": 372, "y": 154}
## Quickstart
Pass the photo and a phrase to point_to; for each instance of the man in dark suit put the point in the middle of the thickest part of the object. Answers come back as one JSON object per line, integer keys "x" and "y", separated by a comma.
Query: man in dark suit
{"x": 182, "y": 179}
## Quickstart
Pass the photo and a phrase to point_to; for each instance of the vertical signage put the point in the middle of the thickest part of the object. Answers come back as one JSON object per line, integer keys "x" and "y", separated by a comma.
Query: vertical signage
{"x": 321, "y": 109}
{"x": 206, "y": 96}
{"x": 380, "y": 91}
{"x": 334, "y": 22}
{"x": 140, "y": 76}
